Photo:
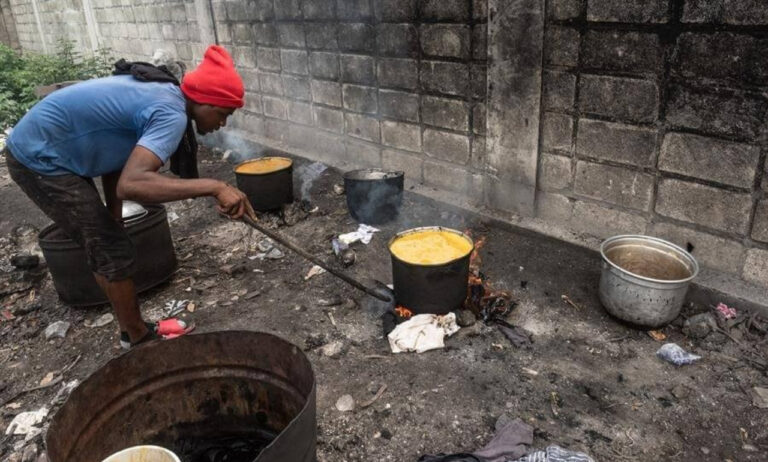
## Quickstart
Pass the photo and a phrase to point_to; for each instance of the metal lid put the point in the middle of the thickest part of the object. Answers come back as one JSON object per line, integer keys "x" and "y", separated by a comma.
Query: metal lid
{"x": 133, "y": 211}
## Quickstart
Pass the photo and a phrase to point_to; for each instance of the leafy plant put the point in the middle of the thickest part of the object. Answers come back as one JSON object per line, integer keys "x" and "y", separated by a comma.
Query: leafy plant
{"x": 21, "y": 74}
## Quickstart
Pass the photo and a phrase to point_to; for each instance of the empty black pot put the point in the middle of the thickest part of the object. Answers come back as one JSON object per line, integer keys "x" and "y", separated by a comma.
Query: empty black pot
{"x": 267, "y": 191}
{"x": 436, "y": 289}
{"x": 73, "y": 279}
{"x": 374, "y": 196}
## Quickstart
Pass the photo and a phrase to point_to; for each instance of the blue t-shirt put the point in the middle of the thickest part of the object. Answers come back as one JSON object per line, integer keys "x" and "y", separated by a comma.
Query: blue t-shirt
{"x": 90, "y": 128}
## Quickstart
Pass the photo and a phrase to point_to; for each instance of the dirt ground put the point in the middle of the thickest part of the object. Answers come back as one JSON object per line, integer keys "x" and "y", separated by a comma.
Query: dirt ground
{"x": 587, "y": 383}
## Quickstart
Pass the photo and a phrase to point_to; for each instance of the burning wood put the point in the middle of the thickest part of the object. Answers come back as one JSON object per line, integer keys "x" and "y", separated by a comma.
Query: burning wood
{"x": 482, "y": 299}
{"x": 403, "y": 313}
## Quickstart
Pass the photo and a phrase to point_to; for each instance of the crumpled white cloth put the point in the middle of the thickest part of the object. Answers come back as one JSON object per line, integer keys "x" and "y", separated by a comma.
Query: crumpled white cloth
{"x": 422, "y": 332}
{"x": 363, "y": 234}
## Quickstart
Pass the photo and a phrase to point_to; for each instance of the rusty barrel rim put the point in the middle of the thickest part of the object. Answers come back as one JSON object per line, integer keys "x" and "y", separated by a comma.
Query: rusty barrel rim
{"x": 262, "y": 159}
{"x": 422, "y": 229}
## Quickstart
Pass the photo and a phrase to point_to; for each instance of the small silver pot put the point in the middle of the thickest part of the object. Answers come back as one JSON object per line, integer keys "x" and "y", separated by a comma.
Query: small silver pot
{"x": 645, "y": 279}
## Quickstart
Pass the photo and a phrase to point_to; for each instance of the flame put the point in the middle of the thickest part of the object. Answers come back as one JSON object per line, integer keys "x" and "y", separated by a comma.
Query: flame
{"x": 482, "y": 298}
{"x": 403, "y": 312}
{"x": 475, "y": 260}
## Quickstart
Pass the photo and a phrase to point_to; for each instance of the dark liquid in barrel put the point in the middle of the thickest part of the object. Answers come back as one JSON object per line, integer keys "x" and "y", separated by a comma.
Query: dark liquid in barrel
{"x": 222, "y": 448}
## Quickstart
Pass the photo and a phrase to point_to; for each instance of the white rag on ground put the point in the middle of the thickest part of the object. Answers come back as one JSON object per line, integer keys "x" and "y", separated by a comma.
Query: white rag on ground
{"x": 422, "y": 332}
{"x": 363, "y": 234}
{"x": 25, "y": 423}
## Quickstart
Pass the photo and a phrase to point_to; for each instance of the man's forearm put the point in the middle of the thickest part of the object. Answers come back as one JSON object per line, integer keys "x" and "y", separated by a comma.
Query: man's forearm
{"x": 154, "y": 187}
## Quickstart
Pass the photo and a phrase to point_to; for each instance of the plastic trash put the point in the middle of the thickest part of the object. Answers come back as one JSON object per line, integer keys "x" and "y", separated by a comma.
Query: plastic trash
{"x": 672, "y": 353}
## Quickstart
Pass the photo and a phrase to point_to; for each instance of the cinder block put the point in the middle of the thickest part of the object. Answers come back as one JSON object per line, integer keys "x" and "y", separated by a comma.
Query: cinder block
{"x": 297, "y": 87}
{"x": 271, "y": 84}
{"x": 445, "y": 113}
{"x": 397, "y": 40}
{"x": 244, "y": 57}
{"x": 478, "y": 156}
{"x": 447, "y": 177}
{"x": 299, "y": 112}
{"x": 250, "y": 79}
{"x": 324, "y": 65}
{"x": 704, "y": 205}
{"x": 362, "y": 154}
{"x": 622, "y": 51}
{"x": 241, "y": 33}
{"x": 554, "y": 208}
{"x": 478, "y": 84}
{"x": 616, "y": 185}
{"x": 480, "y": 42}
{"x": 445, "y": 10}
{"x": 409, "y": 163}
{"x": 235, "y": 12}
{"x": 480, "y": 10}
{"x": 361, "y": 126}
{"x": 287, "y": 9}
{"x": 478, "y": 119}
{"x": 318, "y": 9}
{"x": 401, "y": 135}
{"x": 395, "y": 10}
{"x": 711, "y": 159}
{"x": 736, "y": 12}
{"x": 399, "y": 105}
{"x": 712, "y": 251}
{"x": 329, "y": 119}
{"x": 721, "y": 55}
{"x": 444, "y": 77}
{"x": 321, "y": 36}
{"x": 446, "y": 146}
{"x": 294, "y": 61}
{"x": 356, "y": 37}
{"x": 258, "y": 10}
{"x": 268, "y": 59}
{"x": 358, "y": 69}
{"x": 398, "y": 73}
{"x": 563, "y": 9}
{"x": 617, "y": 142}
{"x": 554, "y": 172}
{"x": 735, "y": 113}
{"x": 558, "y": 90}
{"x": 360, "y": 99}
{"x": 445, "y": 40}
{"x": 602, "y": 221}
{"x": 274, "y": 107}
{"x": 328, "y": 93}
{"x": 628, "y": 99}
{"x": 253, "y": 103}
{"x": 561, "y": 46}
{"x": 556, "y": 132}
{"x": 760, "y": 227}
{"x": 354, "y": 10}
{"x": 756, "y": 266}
{"x": 291, "y": 35}
{"x": 636, "y": 11}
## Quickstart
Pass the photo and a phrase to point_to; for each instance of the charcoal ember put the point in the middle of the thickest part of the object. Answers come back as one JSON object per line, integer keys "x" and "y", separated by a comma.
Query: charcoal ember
{"x": 223, "y": 449}
{"x": 465, "y": 318}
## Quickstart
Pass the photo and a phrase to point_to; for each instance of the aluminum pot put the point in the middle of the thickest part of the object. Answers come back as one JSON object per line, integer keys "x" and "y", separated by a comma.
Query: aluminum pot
{"x": 374, "y": 196}
{"x": 193, "y": 388}
{"x": 436, "y": 289}
{"x": 68, "y": 264}
{"x": 267, "y": 191}
{"x": 645, "y": 279}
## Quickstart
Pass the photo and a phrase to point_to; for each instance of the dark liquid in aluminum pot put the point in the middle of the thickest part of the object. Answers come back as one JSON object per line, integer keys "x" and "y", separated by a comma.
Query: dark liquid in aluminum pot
{"x": 648, "y": 262}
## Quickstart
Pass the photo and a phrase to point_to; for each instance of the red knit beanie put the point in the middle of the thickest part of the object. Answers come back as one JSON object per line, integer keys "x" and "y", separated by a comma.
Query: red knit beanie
{"x": 215, "y": 81}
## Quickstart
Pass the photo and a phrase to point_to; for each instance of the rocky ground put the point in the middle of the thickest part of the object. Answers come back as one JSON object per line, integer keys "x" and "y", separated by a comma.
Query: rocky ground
{"x": 587, "y": 382}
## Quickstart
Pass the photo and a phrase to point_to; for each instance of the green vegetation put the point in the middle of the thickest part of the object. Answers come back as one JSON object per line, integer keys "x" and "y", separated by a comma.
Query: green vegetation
{"x": 21, "y": 74}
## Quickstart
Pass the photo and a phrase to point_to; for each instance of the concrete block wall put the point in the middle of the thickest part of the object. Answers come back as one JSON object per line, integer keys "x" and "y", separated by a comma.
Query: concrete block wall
{"x": 654, "y": 120}
{"x": 8, "y": 34}
{"x": 393, "y": 83}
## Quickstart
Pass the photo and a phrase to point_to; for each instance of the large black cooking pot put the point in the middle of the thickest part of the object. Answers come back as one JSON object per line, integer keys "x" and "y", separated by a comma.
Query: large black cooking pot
{"x": 436, "y": 289}
{"x": 233, "y": 384}
{"x": 267, "y": 191}
{"x": 374, "y": 196}
{"x": 68, "y": 264}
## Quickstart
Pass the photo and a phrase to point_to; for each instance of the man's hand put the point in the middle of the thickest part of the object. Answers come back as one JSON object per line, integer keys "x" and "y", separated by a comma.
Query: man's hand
{"x": 232, "y": 202}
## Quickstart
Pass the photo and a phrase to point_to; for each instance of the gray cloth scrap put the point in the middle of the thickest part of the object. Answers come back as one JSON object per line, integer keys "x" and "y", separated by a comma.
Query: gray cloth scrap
{"x": 556, "y": 454}
{"x": 511, "y": 441}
